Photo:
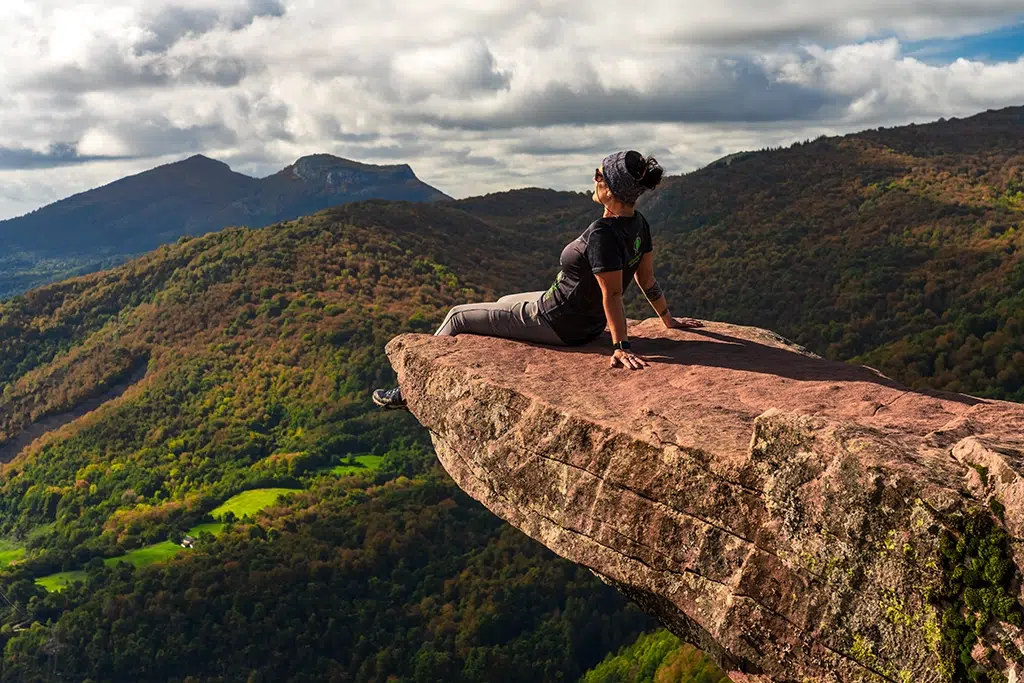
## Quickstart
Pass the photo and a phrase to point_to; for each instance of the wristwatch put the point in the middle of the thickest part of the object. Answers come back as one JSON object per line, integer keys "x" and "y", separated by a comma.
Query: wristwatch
{"x": 624, "y": 345}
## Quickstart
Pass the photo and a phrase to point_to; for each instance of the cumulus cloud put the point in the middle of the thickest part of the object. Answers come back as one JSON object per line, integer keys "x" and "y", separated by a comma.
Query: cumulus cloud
{"x": 477, "y": 97}
{"x": 457, "y": 71}
{"x": 880, "y": 84}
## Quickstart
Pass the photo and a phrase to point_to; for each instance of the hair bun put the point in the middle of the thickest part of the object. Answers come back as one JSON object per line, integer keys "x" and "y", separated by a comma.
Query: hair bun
{"x": 652, "y": 173}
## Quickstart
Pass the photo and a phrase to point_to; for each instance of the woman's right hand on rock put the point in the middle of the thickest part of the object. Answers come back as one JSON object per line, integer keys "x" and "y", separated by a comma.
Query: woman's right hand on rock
{"x": 627, "y": 359}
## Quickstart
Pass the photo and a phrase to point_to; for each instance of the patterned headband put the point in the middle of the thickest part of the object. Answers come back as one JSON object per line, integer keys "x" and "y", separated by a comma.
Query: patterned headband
{"x": 620, "y": 181}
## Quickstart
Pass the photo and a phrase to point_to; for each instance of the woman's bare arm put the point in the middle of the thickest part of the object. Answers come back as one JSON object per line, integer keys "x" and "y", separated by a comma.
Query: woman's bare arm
{"x": 645, "y": 279}
{"x": 611, "y": 297}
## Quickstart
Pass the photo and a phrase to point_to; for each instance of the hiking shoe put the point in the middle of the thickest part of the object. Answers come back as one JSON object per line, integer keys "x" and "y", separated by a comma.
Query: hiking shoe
{"x": 390, "y": 399}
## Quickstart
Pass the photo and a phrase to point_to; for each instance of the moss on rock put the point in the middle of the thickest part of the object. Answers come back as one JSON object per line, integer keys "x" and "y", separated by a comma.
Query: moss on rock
{"x": 974, "y": 593}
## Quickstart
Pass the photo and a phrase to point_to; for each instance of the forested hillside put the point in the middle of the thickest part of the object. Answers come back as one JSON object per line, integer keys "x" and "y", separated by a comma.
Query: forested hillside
{"x": 244, "y": 360}
{"x": 901, "y": 248}
{"x": 105, "y": 226}
{"x": 656, "y": 658}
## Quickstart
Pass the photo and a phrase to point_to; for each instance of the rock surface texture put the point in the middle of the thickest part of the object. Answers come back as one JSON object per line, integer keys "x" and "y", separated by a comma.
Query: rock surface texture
{"x": 798, "y": 519}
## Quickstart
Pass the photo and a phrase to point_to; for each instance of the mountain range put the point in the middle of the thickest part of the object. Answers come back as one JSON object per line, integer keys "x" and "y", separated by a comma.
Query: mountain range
{"x": 137, "y": 401}
{"x": 104, "y": 226}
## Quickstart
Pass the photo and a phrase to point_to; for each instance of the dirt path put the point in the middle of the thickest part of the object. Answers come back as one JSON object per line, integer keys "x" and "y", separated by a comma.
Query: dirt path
{"x": 49, "y": 423}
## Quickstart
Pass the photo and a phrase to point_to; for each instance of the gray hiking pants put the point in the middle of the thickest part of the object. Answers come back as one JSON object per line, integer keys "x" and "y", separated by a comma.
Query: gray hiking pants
{"x": 512, "y": 317}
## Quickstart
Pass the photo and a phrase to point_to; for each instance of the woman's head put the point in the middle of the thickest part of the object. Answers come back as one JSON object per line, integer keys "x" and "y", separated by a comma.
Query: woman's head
{"x": 626, "y": 176}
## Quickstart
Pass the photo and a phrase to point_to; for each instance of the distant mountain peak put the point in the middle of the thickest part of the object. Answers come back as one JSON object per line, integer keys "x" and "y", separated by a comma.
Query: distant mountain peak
{"x": 330, "y": 160}
{"x": 323, "y": 158}
{"x": 190, "y": 196}
{"x": 201, "y": 161}
{"x": 331, "y": 169}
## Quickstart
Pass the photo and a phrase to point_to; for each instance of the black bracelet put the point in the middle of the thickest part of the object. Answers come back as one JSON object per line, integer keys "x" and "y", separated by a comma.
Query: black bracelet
{"x": 654, "y": 293}
{"x": 624, "y": 345}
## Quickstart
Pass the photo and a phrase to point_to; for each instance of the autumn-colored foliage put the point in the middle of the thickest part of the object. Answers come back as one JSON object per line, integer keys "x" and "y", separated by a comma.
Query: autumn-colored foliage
{"x": 244, "y": 359}
{"x": 899, "y": 247}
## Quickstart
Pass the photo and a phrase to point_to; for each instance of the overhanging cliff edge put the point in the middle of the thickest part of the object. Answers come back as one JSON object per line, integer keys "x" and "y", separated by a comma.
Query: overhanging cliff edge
{"x": 798, "y": 519}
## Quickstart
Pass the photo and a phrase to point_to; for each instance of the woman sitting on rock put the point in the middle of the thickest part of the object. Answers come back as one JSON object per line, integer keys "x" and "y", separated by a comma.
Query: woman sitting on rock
{"x": 586, "y": 296}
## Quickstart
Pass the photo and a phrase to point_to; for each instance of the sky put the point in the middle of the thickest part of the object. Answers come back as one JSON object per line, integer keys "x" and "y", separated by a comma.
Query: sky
{"x": 478, "y": 96}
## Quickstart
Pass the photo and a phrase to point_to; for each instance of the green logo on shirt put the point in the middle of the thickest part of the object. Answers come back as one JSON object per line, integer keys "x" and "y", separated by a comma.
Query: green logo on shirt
{"x": 551, "y": 290}
{"x": 636, "y": 252}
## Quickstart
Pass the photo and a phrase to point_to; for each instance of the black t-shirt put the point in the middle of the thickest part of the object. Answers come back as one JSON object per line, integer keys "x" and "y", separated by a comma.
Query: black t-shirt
{"x": 573, "y": 305}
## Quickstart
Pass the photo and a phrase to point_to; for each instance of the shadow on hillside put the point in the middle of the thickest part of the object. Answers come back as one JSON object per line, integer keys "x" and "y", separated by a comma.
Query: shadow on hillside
{"x": 54, "y": 421}
{"x": 735, "y": 353}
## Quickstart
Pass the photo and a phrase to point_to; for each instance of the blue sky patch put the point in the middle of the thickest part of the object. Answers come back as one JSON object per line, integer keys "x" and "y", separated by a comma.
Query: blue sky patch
{"x": 1004, "y": 45}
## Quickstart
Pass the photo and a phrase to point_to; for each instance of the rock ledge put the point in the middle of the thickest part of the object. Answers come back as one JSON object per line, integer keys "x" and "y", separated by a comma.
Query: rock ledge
{"x": 798, "y": 519}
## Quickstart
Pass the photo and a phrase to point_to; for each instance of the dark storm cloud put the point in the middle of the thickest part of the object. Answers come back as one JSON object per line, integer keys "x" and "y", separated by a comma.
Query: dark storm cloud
{"x": 754, "y": 24}
{"x": 737, "y": 93}
{"x": 391, "y": 153}
{"x": 59, "y": 154}
{"x": 484, "y": 75}
{"x": 331, "y": 129}
{"x": 540, "y": 147}
{"x": 732, "y": 36}
{"x": 262, "y": 82}
{"x": 115, "y": 73}
{"x": 356, "y": 137}
{"x": 159, "y": 137}
{"x": 170, "y": 24}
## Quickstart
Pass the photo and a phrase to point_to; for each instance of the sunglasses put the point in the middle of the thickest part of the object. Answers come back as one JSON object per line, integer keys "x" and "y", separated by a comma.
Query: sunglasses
{"x": 598, "y": 178}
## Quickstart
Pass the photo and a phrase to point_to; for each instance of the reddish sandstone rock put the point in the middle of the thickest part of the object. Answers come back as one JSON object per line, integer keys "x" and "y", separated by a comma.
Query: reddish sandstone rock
{"x": 783, "y": 512}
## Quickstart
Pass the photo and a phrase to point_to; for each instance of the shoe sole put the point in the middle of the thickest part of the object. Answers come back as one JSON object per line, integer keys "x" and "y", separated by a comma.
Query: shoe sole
{"x": 388, "y": 406}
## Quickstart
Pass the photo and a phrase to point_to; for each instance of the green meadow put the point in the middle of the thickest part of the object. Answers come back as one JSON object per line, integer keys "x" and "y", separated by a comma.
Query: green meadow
{"x": 364, "y": 463}
{"x": 165, "y": 550}
{"x": 148, "y": 555}
{"x": 61, "y": 580}
{"x": 250, "y": 502}
{"x": 10, "y": 552}
{"x": 214, "y": 528}
{"x": 245, "y": 503}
